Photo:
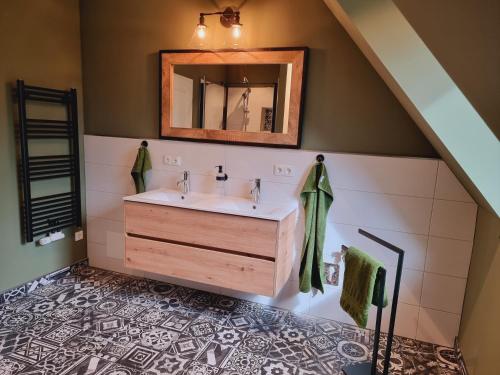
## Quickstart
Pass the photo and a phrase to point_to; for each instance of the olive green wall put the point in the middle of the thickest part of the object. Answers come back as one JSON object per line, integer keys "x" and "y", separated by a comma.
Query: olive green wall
{"x": 40, "y": 43}
{"x": 480, "y": 329}
{"x": 464, "y": 35}
{"x": 348, "y": 106}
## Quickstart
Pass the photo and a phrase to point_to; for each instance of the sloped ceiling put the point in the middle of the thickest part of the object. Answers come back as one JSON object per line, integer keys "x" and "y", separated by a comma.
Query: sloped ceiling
{"x": 427, "y": 92}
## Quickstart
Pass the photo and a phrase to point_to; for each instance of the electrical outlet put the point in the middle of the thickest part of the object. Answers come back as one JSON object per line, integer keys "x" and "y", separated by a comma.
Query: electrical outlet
{"x": 177, "y": 161}
{"x": 79, "y": 235}
{"x": 172, "y": 160}
{"x": 284, "y": 170}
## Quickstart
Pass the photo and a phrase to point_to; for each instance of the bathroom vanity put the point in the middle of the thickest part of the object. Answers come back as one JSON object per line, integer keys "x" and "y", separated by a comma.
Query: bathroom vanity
{"x": 223, "y": 241}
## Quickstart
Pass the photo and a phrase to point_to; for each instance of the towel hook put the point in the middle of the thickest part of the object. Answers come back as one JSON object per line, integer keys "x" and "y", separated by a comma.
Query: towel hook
{"x": 320, "y": 158}
{"x": 343, "y": 252}
{"x": 144, "y": 143}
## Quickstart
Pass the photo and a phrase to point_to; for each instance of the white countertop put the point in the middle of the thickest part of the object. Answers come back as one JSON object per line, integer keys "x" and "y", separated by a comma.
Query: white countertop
{"x": 215, "y": 203}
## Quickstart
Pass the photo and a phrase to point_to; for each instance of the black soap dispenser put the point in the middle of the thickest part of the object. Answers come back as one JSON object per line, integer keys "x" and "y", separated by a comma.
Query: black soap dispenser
{"x": 221, "y": 176}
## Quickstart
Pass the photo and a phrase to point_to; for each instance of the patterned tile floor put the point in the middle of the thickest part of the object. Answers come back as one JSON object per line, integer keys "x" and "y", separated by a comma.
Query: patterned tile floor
{"x": 91, "y": 321}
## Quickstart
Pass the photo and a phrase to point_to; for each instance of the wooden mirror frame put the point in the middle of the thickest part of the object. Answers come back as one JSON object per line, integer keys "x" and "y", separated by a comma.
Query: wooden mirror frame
{"x": 297, "y": 56}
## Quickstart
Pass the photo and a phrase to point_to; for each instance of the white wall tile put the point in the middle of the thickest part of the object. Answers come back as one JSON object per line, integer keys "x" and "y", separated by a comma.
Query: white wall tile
{"x": 115, "y": 245}
{"x": 414, "y": 245}
{"x": 95, "y": 250}
{"x": 163, "y": 179}
{"x": 258, "y": 162}
{"x": 437, "y": 327}
{"x": 97, "y": 259}
{"x": 448, "y": 257}
{"x": 327, "y": 305}
{"x": 205, "y": 184}
{"x": 392, "y": 212}
{"x": 381, "y": 174}
{"x": 271, "y": 192}
{"x": 444, "y": 293}
{"x": 410, "y": 290}
{"x": 168, "y": 179}
{"x": 411, "y": 280}
{"x": 406, "y": 319}
{"x": 448, "y": 187}
{"x": 98, "y": 229}
{"x": 198, "y": 158}
{"x": 111, "y": 150}
{"x": 105, "y": 205}
{"x": 107, "y": 178}
{"x": 453, "y": 220}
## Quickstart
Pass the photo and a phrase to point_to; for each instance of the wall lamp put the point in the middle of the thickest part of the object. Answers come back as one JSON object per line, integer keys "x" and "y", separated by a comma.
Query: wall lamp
{"x": 228, "y": 18}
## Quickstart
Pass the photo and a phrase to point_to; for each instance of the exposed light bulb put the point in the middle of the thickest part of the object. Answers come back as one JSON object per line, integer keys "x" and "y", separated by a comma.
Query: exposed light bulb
{"x": 201, "y": 31}
{"x": 236, "y": 31}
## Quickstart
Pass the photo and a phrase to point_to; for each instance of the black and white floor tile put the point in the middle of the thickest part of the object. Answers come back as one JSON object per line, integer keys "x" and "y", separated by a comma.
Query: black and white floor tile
{"x": 31, "y": 286}
{"x": 89, "y": 321}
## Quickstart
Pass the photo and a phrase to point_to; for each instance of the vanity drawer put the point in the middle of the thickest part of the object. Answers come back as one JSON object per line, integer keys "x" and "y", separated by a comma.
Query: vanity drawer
{"x": 226, "y": 270}
{"x": 221, "y": 231}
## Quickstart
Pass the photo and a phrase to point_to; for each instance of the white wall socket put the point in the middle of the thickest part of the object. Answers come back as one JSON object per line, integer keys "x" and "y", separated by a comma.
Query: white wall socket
{"x": 283, "y": 170}
{"x": 172, "y": 160}
{"x": 79, "y": 235}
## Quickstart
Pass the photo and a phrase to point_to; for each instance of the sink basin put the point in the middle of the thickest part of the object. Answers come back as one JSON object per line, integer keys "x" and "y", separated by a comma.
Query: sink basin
{"x": 243, "y": 206}
{"x": 170, "y": 196}
{"x": 214, "y": 203}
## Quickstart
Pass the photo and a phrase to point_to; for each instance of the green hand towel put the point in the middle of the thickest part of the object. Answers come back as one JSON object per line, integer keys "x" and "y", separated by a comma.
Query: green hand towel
{"x": 141, "y": 166}
{"x": 360, "y": 284}
{"x": 317, "y": 197}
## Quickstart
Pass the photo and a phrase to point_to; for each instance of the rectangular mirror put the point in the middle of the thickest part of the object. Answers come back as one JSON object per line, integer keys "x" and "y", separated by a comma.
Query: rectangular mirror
{"x": 243, "y": 97}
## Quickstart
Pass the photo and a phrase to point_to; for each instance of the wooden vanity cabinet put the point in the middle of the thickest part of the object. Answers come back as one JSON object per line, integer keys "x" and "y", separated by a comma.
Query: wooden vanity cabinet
{"x": 236, "y": 252}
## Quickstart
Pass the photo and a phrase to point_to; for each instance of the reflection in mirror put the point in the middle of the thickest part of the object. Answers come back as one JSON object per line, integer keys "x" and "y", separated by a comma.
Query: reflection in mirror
{"x": 247, "y": 98}
{"x": 251, "y": 97}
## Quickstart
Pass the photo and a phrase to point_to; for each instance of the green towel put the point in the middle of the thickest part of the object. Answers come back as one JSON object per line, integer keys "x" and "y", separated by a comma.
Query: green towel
{"x": 360, "y": 285}
{"x": 317, "y": 197}
{"x": 141, "y": 166}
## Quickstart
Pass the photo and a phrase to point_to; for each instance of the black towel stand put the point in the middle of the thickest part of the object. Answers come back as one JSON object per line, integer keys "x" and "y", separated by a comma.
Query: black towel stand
{"x": 370, "y": 368}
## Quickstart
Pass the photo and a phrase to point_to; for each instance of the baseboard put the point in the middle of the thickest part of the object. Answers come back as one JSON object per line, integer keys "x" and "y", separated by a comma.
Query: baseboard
{"x": 11, "y": 294}
{"x": 460, "y": 358}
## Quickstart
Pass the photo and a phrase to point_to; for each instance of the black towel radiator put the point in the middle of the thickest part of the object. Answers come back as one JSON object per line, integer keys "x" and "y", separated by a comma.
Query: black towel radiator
{"x": 48, "y": 213}
{"x": 370, "y": 368}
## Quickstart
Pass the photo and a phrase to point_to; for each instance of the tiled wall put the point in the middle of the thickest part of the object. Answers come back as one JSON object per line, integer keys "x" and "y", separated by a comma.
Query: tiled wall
{"x": 415, "y": 203}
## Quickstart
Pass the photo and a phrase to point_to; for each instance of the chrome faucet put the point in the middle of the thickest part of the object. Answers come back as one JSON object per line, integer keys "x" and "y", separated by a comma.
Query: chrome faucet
{"x": 256, "y": 190}
{"x": 185, "y": 182}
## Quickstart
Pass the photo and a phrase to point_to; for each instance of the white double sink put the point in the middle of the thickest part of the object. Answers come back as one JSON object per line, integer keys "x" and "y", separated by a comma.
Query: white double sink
{"x": 215, "y": 203}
